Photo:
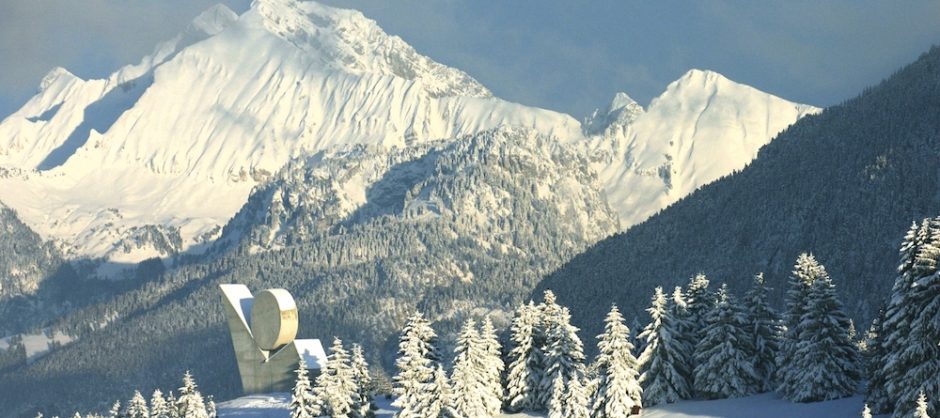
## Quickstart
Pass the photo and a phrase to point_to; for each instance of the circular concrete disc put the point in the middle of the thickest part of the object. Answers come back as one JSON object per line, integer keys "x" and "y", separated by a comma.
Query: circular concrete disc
{"x": 273, "y": 318}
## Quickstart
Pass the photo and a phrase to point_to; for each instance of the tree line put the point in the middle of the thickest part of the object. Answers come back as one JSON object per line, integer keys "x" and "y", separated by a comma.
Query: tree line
{"x": 700, "y": 344}
{"x": 189, "y": 404}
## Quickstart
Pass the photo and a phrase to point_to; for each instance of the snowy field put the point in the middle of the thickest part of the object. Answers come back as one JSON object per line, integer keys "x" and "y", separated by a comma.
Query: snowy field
{"x": 764, "y": 406}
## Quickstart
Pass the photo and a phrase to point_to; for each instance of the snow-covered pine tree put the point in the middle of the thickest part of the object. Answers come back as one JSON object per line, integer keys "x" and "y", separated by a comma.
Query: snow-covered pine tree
{"x": 158, "y": 405}
{"x": 617, "y": 371}
{"x": 699, "y": 302}
{"x": 137, "y": 406}
{"x": 467, "y": 378}
{"x": 577, "y": 399}
{"x": 853, "y": 333}
{"x": 662, "y": 371}
{"x": 417, "y": 361}
{"x": 549, "y": 313}
{"x": 115, "y": 411}
{"x": 724, "y": 366}
{"x": 190, "y": 403}
{"x": 873, "y": 355}
{"x": 363, "y": 406}
{"x": 526, "y": 363}
{"x": 764, "y": 328}
{"x": 335, "y": 388}
{"x": 556, "y": 405}
{"x": 439, "y": 397}
{"x": 920, "y": 408}
{"x": 805, "y": 272}
{"x": 303, "y": 404}
{"x": 866, "y": 412}
{"x": 171, "y": 406}
{"x": 492, "y": 368}
{"x": 591, "y": 383}
{"x": 826, "y": 361}
{"x": 920, "y": 355}
{"x": 210, "y": 407}
{"x": 686, "y": 326}
{"x": 886, "y": 385}
{"x": 636, "y": 327}
{"x": 565, "y": 355}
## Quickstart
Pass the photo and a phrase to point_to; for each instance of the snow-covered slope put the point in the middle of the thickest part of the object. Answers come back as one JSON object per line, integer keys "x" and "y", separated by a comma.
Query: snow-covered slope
{"x": 154, "y": 159}
{"x": 702, "y": 127}
{"x": 765, "y": 406}
{"x": 179, "y": 140}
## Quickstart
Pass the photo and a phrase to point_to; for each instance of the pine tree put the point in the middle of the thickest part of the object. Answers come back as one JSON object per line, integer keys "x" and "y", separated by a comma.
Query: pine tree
{"x": 468, "y": 373}
{"x": 764, "y": 327}
{"x": 662, "y": 371}
{"x": 158, "y": 405}
{"x": 686, "y": 325}
{"x": 526, "y": 363}
{"x": 636, "y": 327}
{"x": 549, "y": 313}
{"x": 805, "y": 272}
{"x": 920, "y": 355}
{"x": 363, "y": 406}
{"x": 115, "y": 411}
{"x": 335, "y": 388}
{"x": 699, "y": 302}
{"x": 825, "y": 359}
{"x": 724, "y": 366}
{"x": 302, "y": 402}
{"x": 417, "y": 361}
{"x": 492, "y": 368}
{"x": 617, "y": 387}
{"x": 889, "y": 382}
{"x": 874, "y": 354}
{"x": 866, "y": 412}
{"x": 137, "y": 406}
{"x": 576, "y": 399}
{"x": 565, "y": 356}
{"x": 190, "y": 403}
{"x": 920, "y": 408}
{"x": 439, "y": 397}
{"x": 210, "y": 407}
{"x": 556, "y": 405}
{"x": 171, "y": 404}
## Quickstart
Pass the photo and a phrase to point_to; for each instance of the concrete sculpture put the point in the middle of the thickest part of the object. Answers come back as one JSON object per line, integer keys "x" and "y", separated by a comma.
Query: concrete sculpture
{"x": 263, "y": 328}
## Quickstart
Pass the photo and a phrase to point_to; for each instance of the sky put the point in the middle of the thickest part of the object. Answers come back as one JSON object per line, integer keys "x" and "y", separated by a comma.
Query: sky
{"x": 569, "y": 56}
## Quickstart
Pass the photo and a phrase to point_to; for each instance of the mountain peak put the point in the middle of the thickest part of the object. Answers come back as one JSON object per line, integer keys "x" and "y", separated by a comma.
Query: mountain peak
{"x": 703, "y": 75}
{"x": 622, "y": 100}
{"x": 621, "y": 111}
{"x": 696, "y": 80}
{"x": 56, "y": 74}
{"x": 347, "y": 40}
{"x": 706, "y": 87}
{"x": 214, "y": 19}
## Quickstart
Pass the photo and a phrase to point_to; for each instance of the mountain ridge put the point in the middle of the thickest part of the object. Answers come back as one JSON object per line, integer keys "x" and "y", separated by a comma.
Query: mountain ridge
{"x": 843, "y": 184}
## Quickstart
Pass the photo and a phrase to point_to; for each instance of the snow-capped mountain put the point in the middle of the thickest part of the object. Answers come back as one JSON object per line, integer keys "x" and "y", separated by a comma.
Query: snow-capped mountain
{"x": 701, "y": 128}
{"x": 153, "y": 160}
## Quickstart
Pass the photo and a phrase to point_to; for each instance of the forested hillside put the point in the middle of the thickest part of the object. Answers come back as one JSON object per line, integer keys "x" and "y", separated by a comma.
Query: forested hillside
{"x": 844, "y": 185}
{"x": 414, "y": 244}
{"x": 31, "y": 271}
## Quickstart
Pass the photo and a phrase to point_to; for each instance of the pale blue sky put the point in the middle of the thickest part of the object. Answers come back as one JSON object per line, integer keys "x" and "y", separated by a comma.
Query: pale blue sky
{"x": 570, "y": 56}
